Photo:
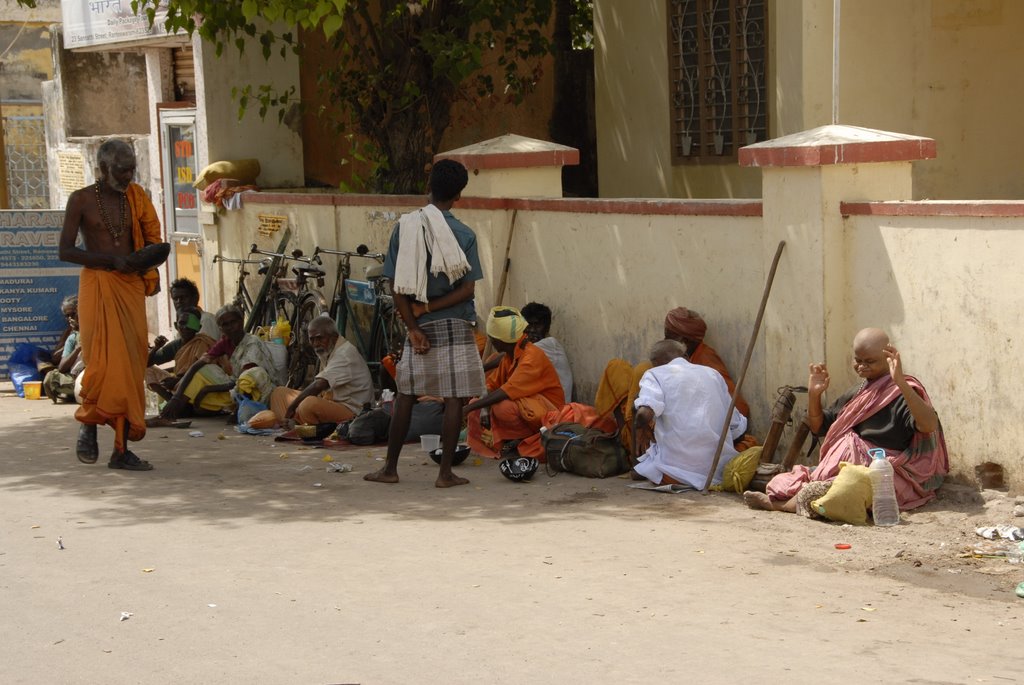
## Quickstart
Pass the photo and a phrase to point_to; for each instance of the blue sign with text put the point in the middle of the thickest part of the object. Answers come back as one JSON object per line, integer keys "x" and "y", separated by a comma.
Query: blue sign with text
{"x": 33, "y": 280}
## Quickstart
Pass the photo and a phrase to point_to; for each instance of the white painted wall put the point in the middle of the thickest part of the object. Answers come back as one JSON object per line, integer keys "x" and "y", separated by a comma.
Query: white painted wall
{"x": 222, "y": 136}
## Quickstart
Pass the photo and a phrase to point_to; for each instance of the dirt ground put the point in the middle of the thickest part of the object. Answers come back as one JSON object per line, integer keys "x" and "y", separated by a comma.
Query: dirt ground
{"x": 240, "y": 565}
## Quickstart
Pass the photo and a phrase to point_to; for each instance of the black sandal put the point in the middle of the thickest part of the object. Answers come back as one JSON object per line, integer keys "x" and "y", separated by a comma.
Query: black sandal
{"x": 87, "y": 449}
{"x": 128, "y": 461}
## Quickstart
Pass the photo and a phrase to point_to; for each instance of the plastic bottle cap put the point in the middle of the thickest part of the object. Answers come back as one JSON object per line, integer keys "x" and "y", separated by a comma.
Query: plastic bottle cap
{"x": 842, "y": 545}
{"x": 876, "y": 453}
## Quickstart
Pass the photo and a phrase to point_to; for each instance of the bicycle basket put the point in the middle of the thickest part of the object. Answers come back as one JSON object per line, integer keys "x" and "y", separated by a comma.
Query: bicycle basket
{"x": 360, "y": 292}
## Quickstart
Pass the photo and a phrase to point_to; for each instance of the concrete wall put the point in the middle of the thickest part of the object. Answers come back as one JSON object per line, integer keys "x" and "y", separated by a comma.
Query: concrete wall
{"x": 221, "y": 135}
{"x": 103, "y": 93}
{"x": 943, "y": 286}
{"x": 944, "y": 69}
{"x": 947, "y": 290}
{"x": 27, "y": 61}
{"x": 45, "y": 11}
{"x": 608, "y": 277}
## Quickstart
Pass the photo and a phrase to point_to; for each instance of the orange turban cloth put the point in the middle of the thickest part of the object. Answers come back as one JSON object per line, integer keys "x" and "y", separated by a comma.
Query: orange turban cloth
{"x": 686, "y": 323}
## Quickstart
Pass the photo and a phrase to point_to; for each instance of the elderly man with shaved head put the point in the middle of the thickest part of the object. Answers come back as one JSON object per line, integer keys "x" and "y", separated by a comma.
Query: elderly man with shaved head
{"x": 887, "y": 409}
{"x": 340, "y": 389}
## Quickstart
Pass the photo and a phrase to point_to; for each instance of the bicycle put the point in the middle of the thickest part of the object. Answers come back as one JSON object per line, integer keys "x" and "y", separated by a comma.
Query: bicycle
{"x": 297, "y": 302}
{"x": 385, "y": 332}
{"x": 242, "y": 299}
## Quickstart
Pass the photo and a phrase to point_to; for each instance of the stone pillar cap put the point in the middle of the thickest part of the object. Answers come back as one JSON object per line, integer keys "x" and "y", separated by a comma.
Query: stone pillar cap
{"x": 512, "y": 151}
{"x": 837, "y": 144}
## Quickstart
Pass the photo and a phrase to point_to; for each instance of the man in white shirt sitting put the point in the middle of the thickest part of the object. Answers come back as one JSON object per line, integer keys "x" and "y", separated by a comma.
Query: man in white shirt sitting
{"x": 538, "y": 319}
{"x": 340, "y": 389}
{"x": 682, "y": 406}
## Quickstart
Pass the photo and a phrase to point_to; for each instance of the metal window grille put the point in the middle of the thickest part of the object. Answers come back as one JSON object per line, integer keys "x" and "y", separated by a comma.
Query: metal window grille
{"x": 717, "y": 80}
{"x": 25, "y": 151}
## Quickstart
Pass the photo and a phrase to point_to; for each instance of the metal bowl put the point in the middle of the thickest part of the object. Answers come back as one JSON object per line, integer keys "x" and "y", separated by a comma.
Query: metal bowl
{"x": 461, "y": 452}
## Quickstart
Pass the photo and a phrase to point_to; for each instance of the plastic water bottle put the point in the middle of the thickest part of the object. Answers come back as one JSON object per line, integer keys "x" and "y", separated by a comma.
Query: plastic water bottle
{"x": 884, "y": 509}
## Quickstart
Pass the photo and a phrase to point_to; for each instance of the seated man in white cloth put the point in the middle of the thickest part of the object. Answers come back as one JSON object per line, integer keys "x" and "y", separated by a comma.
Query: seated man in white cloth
{"x": 433, "y": 266}
{"x": 686, "y": 404}
{"x": 341, "y": 388}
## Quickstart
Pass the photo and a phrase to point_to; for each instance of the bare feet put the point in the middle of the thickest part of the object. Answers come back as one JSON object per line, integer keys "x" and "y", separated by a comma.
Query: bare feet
{"x": 382, "y": 476}
{"x": 449, "y": 480}
{"x": 758, "y": 500}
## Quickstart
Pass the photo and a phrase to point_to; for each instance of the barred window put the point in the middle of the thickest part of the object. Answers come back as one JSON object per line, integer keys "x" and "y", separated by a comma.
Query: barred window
{"x": 717, "y": 81}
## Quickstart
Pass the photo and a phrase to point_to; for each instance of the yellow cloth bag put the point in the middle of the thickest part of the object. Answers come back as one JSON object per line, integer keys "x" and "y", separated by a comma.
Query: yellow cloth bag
{"x": 849, "y": 498}
{"x": 739, "y": 471}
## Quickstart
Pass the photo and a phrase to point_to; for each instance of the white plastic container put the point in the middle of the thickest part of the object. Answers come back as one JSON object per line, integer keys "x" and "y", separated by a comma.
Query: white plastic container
{"x": 429, "y": 443}
{"x": 885, "y": 509}
{"x": 279, "y": 355}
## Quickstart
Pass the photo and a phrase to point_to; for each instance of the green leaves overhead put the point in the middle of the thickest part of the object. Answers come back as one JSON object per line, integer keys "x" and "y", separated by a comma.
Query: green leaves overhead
{"x": 397, "y": 67}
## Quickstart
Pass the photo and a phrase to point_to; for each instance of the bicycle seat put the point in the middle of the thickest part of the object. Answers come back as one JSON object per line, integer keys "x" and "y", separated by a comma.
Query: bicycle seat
{"x": 308, "y": 272}
{"x": 375, "y": 271}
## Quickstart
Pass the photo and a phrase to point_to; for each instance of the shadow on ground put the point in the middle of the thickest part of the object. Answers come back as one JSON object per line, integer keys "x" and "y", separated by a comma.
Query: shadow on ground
{"x": 225, "y": 481}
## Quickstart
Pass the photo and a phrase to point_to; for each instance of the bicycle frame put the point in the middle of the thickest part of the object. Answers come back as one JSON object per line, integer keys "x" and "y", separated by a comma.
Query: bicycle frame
{"x": 242, "y": 297}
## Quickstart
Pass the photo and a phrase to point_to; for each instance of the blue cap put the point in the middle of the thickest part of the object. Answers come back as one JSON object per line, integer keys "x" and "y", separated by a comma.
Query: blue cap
{"x": 876, "y": 453}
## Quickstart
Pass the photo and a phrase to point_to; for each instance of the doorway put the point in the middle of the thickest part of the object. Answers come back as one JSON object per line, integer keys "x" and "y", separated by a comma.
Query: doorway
{"x": 181, "y": 200}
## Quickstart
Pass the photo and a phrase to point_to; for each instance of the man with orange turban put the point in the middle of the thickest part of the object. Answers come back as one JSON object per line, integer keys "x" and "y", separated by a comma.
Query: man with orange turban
{"x": 620, "y": 383}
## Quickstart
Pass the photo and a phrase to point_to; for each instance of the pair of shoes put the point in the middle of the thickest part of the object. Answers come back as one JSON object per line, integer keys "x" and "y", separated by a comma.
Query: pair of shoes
{"x": 87, "y": 449}
{"x": 128, "y": 461}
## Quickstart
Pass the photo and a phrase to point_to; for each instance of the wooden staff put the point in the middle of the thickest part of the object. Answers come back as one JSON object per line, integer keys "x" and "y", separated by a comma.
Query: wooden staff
{"x": 504, "y": 275}
{"x": 746, "y": 363}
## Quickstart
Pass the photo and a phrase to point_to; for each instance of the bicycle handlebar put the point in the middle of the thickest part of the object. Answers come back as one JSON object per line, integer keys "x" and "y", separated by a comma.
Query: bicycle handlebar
{"x": 218, "y": 258}
{"x": 361, "y": 251}
{"x": 295, "y": 256}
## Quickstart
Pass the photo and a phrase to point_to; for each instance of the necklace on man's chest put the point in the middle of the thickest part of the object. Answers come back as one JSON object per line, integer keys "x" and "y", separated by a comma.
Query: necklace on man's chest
{"x": 122, "y": 216}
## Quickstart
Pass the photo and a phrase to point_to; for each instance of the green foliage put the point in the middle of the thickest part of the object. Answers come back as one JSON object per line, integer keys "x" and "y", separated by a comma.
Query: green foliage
{"x": 399, "y": 65}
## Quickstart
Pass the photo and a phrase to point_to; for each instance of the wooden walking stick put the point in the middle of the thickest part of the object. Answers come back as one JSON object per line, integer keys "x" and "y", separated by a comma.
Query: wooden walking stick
{"x": 746, "y": 363}
{"x": 504, "y": 275}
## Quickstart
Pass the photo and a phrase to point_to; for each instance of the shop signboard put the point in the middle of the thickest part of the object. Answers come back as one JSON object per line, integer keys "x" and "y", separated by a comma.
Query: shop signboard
{"x": 93, "y": 23}
{"x": 33, "y": 280}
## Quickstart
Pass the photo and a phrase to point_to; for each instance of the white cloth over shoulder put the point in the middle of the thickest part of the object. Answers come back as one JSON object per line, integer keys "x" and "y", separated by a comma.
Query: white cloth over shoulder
{"x": 424, "y": 235}
{"x": 689, "y": 404}
{"x": 558, "y": 358}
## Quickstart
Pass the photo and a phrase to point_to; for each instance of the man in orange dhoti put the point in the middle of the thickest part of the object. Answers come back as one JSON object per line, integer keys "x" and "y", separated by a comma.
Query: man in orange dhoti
{"x": 115, "y": 220}
{"x": 620, "y": 383}
{"x": 523, "y": 388}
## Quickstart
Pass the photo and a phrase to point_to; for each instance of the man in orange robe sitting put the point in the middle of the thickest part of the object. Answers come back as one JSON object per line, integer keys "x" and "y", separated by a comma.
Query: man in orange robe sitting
{"x": 523, "y": 388}
{"x": 620, "y": 383}
{"x": 115, "y": 219}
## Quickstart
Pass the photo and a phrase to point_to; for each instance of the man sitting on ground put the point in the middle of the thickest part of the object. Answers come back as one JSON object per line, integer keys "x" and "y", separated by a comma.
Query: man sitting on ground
{"x": 338, "y": 392}
{"x": 538, "y": 329}
{"x": 185, "y": 293}
{"x": 621, "y": 380}
{"x": 185, "y": 350}
{"x": 888, "y": 409}
{"x": 523, "y": 388}
{"x": 682, "y": 406}
{"x": 205, "y": 388}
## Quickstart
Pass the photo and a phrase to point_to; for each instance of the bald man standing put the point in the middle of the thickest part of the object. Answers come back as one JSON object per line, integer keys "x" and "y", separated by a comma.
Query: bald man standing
{"x": 888, "y": 410}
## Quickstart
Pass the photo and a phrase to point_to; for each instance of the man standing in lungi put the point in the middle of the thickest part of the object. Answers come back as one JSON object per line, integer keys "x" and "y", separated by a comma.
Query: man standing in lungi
{"x": 116, "y": 220}
{"x": 433, "y": 266}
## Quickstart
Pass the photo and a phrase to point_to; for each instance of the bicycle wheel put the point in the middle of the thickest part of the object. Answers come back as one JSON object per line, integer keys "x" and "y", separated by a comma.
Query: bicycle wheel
{"x": 388, "y": 338}
{"x": 302, "y": 358}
